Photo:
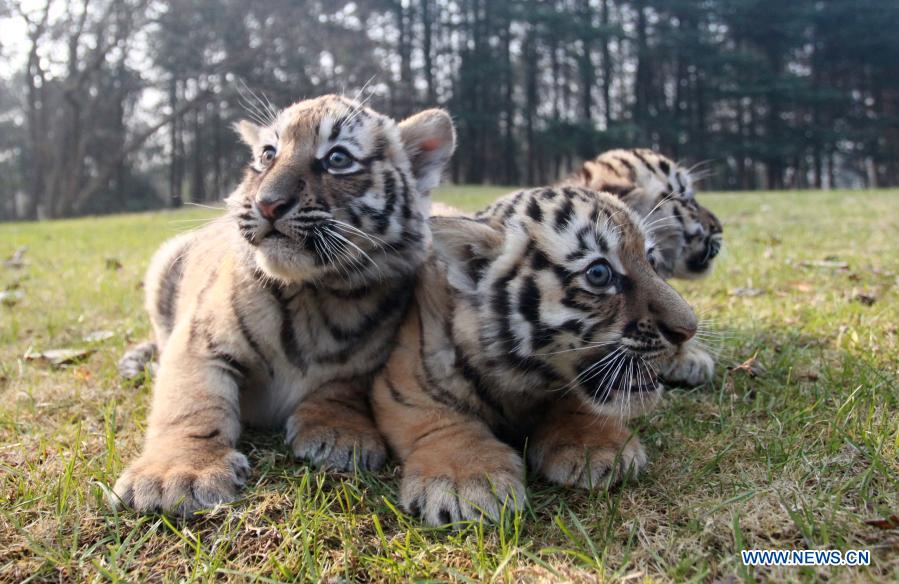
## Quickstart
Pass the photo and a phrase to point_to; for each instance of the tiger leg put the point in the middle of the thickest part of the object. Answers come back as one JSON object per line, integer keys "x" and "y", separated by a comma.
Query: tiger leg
{"x": 454, "y": 469}
{"x": 333, "y": 428}
{"x": 575, "y": 446}
{"x": 690, "y": 366}
{"x": 189, "y": 461}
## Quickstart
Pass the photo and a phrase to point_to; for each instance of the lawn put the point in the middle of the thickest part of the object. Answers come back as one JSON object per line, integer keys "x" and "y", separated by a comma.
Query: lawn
{"x": 798, "y": 447}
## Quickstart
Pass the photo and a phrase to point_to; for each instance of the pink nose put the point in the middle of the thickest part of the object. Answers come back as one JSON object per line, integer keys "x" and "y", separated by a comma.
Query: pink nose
{"x": 274, "y": 209}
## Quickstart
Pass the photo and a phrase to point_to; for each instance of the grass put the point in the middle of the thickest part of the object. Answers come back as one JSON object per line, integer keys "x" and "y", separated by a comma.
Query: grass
{"x": 801, "y": 455}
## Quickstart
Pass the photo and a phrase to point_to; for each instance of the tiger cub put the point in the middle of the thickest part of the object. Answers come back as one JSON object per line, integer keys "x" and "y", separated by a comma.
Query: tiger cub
{"x": 545, "y": 323}
{"x": 685, "y": 237}
{"x": 278, "y": 314}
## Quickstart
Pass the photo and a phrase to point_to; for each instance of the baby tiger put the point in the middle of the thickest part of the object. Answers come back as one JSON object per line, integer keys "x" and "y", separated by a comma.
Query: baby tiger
{"x": 684, "y": 237}
{"x": 279, "y": 314}
{"x": 545, "y": 323}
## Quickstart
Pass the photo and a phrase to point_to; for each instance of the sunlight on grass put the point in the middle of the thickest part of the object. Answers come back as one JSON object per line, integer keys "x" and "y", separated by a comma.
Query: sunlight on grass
{"x": 801, "y": 455}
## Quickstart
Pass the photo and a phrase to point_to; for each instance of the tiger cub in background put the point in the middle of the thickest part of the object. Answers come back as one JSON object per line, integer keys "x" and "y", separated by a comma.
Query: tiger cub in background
{"x": 544, "y": 323}
{"x": 685, "y": 237}
{"x": 278, "y": 314}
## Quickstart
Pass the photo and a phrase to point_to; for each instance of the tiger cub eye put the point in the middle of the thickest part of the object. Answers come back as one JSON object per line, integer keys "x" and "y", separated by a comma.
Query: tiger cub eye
{"x": 599, "y": 275}
{"x": 268, "y": 154}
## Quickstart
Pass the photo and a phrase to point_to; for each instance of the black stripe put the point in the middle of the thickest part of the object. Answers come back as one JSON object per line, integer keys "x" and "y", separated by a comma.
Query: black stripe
{"x": 407, "y": 198}
{"x": 195, "y": 322}
{"x": 289, "y": 344}
{"x": 475, "y": 379}
{"x": 675, "y": 209}
{"x": 548, "y": 194}
{"x": 391, "y": 301}
{"x": 534, "y": 211}
{"x": 392, "y": 305}
{"x": 244, "y": 329}
{"x": 395, "y": 395}
{"x": 570, "y": 299}
{"x": 608, "y": 167}
{"x": 529, "y": 308}
{"x": 351, "y": 294}
{"x": 230, "y": 362}
{"x": 229, "y": 410}
{"x": 225, "y": 360}
{"x": 167, "y": 295}
{"x": 539, "y": 260}
{"x": 378, "y": 153}
{"x": 619, "y": 191}
{"x": 359, "y": 406}
{"x": 629, "y": 166}
{"x": 431, "y": 432}
{"x": 382, "y": 220}
{"x": 602, "y": 325}
{"x": 645, "y": 162}
{"x": 563, "y": 215}
{"x": 573, "y": 325}
{"x": 335, "y": 130}
{"x": 436, "y": 391}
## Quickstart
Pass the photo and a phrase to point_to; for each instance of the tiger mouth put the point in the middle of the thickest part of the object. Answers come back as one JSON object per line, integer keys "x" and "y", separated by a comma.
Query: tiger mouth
{"x": 274, "y": 234}
{"x": 702, "y": 261}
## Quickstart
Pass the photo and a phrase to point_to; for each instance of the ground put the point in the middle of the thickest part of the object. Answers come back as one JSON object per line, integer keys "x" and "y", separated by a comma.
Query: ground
{"x": 793, "y": 447}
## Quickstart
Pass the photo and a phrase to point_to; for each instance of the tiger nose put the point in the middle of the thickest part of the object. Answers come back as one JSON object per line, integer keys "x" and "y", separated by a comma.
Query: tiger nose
{"x": 273, "y": 208}
{"x": 677, "y": 335}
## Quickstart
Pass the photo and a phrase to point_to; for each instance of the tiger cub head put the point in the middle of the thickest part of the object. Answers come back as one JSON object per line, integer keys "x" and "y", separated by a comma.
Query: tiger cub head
{"x": 337, "y": 193}
{"x": 556, "y": 290}
{"x": 685, "y": 236}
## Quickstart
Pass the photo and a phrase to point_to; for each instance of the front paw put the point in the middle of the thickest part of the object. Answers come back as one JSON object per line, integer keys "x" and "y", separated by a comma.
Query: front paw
{"x": 691, "y": 366}
{"x": 179, "y": 483}
{"x": 337, "y": 445}
{"x": 443, "y": 490}
{"x": 596, "y": 461}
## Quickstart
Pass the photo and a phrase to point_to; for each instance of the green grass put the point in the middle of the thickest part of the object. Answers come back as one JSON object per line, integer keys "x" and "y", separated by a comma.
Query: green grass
{"x": 800, "y": 456}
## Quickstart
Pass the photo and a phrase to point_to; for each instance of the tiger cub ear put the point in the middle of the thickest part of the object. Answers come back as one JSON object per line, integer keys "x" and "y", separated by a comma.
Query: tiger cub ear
{"x": 467, "y": 247}
{"x": 248, "y": 132}
{"x": 429, "y": 139}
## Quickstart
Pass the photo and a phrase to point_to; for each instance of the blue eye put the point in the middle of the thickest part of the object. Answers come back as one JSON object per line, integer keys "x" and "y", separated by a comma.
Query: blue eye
{"x": 339, "y": 159}
{"x": 268, "y": 154}
{"x": 599, "y": 275}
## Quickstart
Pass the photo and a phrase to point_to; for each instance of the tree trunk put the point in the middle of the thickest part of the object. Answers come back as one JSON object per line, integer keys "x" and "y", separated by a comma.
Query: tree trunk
{"x": 175, "y": 199}
{"x": 427, "y": 50}
{"x": 606, "y": 66}
{"x": 588, "y": 78}
{"x": 531, "y": 97}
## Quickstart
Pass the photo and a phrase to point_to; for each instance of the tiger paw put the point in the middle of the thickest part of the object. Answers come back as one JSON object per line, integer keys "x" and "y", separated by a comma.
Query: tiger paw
{"x": 600, "y": 457}
{"x": 342, "y": 444}
{"x": 690, "y": 366}
{"x": 446, "y": 490}
{"x": 181, "y": 484}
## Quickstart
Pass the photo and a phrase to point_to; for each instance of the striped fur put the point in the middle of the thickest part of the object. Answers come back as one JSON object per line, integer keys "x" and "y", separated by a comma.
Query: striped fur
{"x": 512, "y": 339}
{"x": 281, "y": 319}
{"x": 685, "y": 236}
